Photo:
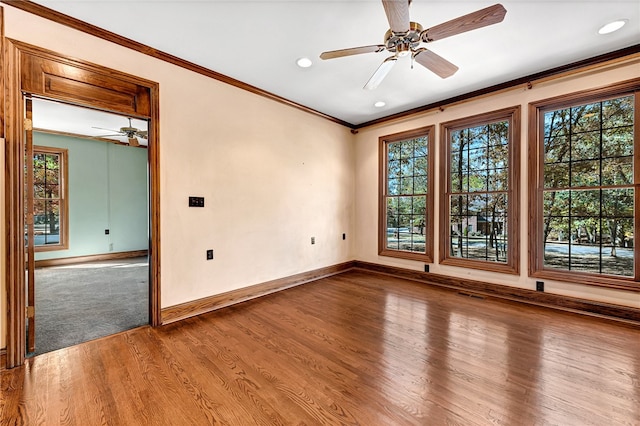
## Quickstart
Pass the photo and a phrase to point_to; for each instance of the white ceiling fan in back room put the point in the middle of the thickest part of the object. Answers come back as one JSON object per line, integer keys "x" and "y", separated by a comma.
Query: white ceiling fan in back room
{"x": 129, "y": 131}
{"x": 405, "y": 37}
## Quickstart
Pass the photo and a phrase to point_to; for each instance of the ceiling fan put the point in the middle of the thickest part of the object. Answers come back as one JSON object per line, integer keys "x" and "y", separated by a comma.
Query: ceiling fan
{"x": 130, "y": 132}
{"x": 404, "y": 38}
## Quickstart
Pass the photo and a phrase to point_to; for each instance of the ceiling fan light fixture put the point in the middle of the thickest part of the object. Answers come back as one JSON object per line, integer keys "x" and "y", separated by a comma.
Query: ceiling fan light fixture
{"x": 612, "y": 26}
{"x": 304, "y": 62}
{"x": 379, "y": 104}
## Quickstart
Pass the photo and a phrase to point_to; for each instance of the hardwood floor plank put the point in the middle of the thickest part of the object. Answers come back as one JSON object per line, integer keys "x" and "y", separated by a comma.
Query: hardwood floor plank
{"x": 357, "y": 348}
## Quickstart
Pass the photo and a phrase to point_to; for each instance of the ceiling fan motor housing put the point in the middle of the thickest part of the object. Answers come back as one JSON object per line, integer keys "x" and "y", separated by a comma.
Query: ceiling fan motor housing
{"x": 403, "y": 43}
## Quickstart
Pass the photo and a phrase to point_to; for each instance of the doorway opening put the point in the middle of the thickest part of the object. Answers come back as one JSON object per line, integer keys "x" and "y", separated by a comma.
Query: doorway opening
{"x": 90, "y": 225}
{"x": 33, "y": 72}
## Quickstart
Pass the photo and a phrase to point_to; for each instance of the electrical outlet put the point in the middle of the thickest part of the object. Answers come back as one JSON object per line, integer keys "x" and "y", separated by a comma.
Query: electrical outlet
{"x": 106, "y": 232}
{"x": 209, "y": 254}
{"x": 539, "y": 285}
{"x": 313, "y": 240}
{"x": 344, "y": 236}
{"x": 426, "y": 268}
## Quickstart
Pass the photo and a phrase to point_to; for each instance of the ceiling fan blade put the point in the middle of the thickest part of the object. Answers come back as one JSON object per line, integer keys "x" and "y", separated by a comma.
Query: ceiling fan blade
{"x": 134, "y": 142}
{"x": 351, "y": 51}
{"x": 143, "y": 134}
{"x": 102, "y": 128}
{"x": 380, "y": 73}
{"x": 110, "y": 136}
{"x": 478, "y": 19}
{"x": 397, "y": 12}
{"x": 435, "y": 63}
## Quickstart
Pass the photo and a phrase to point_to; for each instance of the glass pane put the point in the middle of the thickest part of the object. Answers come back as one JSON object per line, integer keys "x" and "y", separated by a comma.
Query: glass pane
{"x": 585, "y": 203}
{"x": 39, "y": 190}
{"x": 420, "y": 166}
{"x": 618, "y": 255}
{"x": 393, "y": 169}
{"x": 478, "y": 158}
{"x": 406, "y": 149}
{"x": 498, "y": 179}
{"x": 458, "y": 142}
{"x": 406, "y": 185}
{"x": 617, "y": 203}
{"x": 617, "y": 112}
{"x": 420, "y": 147}
{"x": 477, "y": 181}
{"x": 617, "y": 142}
{"x": 617, "y": 171}
{"x": 420, "y": 206}
{"x": 585, "y": 118}
{"x": 47, "y": 222}
{"x": 556, "y": 149}
{"x": 556, "y": 242}
{"x": 556, "y": 203}
{"x": 420, "y": 185}
{"x": 392, "y": 223}
{"x": 556, "y": 123}
{"x": 585, "y": 173}
{"x": 556, "y": 175}
{"x": 393, "y": 151}
{"x": 393, "y": 187}
{"x": 584, "y": 255}
{"x": 52, "y": 191}
{"x": 585, "y": 146}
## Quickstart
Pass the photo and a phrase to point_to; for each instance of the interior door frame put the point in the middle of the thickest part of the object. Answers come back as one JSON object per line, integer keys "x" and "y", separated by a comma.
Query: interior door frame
{"x": 64, "y": 79}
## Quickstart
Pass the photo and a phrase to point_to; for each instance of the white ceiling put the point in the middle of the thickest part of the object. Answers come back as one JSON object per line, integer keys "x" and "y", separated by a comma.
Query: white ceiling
{"x": 259, "y": 41}
{"x": 75, "y": 120}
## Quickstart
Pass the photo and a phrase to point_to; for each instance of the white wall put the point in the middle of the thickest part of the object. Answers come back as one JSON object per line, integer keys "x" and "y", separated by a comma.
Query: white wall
{"x": 367, "y": 182}
{"x": 272, "y": 176}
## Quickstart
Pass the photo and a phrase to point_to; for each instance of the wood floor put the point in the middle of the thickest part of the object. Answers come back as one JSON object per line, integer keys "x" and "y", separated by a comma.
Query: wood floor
{"x": 357, "y": 348}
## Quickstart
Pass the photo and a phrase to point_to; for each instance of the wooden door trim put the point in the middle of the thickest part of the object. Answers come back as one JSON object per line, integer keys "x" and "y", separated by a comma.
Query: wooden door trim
{"x": 15, "y": 53}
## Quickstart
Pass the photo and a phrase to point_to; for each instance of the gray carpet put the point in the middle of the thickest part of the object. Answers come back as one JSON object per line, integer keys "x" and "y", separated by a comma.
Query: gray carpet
{"x": 82, "y": 302}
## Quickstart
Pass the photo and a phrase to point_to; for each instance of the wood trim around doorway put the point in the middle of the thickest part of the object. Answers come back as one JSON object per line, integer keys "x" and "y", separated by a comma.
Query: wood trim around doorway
{"x": 110, "y": 90}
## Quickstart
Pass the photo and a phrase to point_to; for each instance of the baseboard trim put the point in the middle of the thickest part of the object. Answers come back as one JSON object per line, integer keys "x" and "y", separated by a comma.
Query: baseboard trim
{"x": 566, "y": 303}
{"x": 90, "y": 258}
{"x": 3, "y": 359}
{"x": 212, "y": 303}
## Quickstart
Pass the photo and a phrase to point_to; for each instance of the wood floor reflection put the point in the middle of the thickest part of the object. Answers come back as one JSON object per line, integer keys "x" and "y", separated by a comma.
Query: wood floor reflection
{"x": 356, "y": 348}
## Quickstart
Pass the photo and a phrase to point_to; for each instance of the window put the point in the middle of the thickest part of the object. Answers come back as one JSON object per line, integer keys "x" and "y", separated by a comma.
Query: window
{"x": 406, "y": 202}
{"x": 582, "y": 157}
{"x": 479, "y": 201}
{"x": 50, "y": 198}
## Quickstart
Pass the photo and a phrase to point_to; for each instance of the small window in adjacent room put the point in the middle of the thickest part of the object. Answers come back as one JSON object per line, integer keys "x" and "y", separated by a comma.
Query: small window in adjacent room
{"x": 50, "y": 200}
{"x": 406, "y": 195}
{"x": 479, "y": 200}
{"x": 585, "y": 187}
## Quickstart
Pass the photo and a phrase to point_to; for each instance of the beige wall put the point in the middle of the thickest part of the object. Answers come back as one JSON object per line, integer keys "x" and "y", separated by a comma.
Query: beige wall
{"x": 367, "y": 181}
{"x": 273, "y": 176}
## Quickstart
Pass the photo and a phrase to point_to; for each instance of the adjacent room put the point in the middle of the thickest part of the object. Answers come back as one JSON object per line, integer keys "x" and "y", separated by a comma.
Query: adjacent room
{"x": 383, "y": 212}
{"x": 90, "y": 228}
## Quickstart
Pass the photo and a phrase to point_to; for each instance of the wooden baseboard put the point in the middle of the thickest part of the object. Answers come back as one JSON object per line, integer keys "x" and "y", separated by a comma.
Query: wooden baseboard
{"x": 90, "y": 258}
{"x": 208, "y": 304}
{"x": 566, "y": 303}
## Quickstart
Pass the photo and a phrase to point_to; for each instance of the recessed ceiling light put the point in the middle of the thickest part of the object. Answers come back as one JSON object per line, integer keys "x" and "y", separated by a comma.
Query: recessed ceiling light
{"x": 379, "y": 104}
{"x": 304, "y": 62}
{"x": 612, "y": 26}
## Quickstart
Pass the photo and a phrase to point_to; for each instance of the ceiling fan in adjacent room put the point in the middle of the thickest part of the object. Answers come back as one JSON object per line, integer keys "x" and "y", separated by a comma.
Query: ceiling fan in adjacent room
{"x": 130, "y": 132}
{"x": 405, "y": 36}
